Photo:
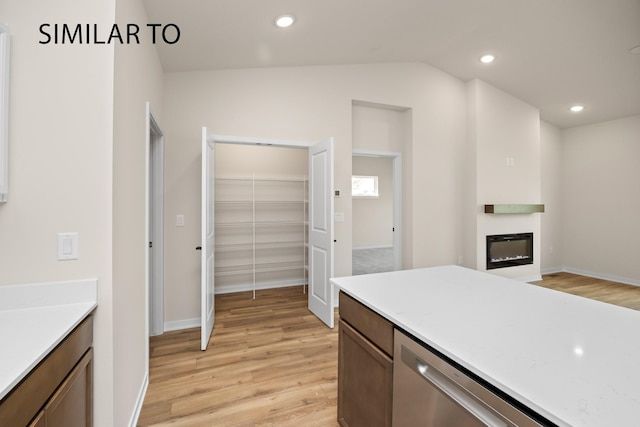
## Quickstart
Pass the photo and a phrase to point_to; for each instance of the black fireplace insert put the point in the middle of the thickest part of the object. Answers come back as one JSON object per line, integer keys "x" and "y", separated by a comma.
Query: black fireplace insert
{"x": 509, "y": 250}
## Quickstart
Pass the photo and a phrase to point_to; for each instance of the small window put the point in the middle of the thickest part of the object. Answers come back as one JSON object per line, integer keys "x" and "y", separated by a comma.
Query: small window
{"x": 364, "y": 186}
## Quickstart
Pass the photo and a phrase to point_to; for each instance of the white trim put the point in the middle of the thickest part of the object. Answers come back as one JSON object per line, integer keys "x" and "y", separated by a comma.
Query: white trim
{"x": 155, "y": 154}
{"x": 357, "y": 248}
{"x": 625, "y": 280}
{"x": 227, "y": 139}
{"x": 551, "y": 270}
{"x": 247, "y": 287}
{"x": 139, "y": 402}
{"x": 5, "y": 38}
{"x": 375, "y": 194}
{"x": 360, "y": 152}
{"x": 177, "y": 325}
{"x": 618, "y": 279}
{"x": 397, "y": 198}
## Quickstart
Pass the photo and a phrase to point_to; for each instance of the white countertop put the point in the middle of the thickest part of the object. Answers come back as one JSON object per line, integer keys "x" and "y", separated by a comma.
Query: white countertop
{"x": 573, "y": 360}
{"x": 34, "y": 319}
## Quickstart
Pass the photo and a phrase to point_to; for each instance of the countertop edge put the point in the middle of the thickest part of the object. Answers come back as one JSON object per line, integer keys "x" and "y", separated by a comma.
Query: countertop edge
{"x": 29, "y": 299}
{"x": 446, "y": 352}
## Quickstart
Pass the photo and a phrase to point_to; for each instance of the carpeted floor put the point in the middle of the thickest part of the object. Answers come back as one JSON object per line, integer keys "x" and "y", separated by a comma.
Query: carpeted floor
{"x": 366, "y": 261}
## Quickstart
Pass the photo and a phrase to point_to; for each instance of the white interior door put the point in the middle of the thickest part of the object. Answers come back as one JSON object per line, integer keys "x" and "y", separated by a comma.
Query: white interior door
{"x": 207, "y": 315}
{"x": 321, "y": 230}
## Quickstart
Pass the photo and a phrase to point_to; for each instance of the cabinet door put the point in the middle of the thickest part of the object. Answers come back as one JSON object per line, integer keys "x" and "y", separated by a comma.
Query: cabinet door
{"x": 71, "y": 405}
{"x": 39, "y": 421}
{"x": 365, "y": 381}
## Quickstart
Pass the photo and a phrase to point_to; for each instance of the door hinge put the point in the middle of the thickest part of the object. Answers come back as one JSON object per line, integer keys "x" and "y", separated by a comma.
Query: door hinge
{"x": 150, "y": 244}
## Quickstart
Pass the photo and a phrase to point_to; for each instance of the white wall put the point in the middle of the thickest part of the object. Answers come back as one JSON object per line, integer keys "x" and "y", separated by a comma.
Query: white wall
{"x": 379, "y": 127}
{"x": 551, "y": 236}
{"x": 67, "y": 136}
{"x": 246, "y": 160}
{"x": 312, "y": 103}
{"x": 373, "y": 217}
{"x": 602, "y": 200}
{"x": 138, "y": 79}
{"x": 387, "y": 128}
{"x": 503, "y": 127}
{"x": 60, "y": 155}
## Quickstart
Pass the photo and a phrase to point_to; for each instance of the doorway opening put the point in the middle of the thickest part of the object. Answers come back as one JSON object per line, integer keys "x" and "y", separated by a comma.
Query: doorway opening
{"x": 377, "y": 218}
{"x": 261, "y": 217}
{"x": 318, "y": 205}
{"x": 155, "y": 221}
{"x": 380, "y": 134}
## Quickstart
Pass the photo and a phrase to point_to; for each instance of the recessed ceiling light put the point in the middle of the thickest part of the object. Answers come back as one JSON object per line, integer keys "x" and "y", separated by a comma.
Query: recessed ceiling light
{"x": 487, "y": 59}
{"x": 284, "y": 21}
{"x": 576, "y": 108}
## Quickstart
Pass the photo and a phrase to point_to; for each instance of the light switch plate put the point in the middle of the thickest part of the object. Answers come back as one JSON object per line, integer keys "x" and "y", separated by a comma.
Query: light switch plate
{"x": 67, "y": 246}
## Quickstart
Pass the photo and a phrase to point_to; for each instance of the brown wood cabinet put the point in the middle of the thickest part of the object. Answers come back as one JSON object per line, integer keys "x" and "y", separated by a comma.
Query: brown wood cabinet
{"x": 59, "y": 391}
{"x": 365, "y": 366}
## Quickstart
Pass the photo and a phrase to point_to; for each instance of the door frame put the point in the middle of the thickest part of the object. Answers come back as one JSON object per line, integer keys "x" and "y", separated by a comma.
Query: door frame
{"x": 227, "y": 139}
{"x": 154, "y": 225}
{"x": 397, "y": 197}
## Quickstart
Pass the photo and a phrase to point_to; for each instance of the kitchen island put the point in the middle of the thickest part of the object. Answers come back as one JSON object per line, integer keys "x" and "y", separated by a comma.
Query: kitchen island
{"x": 572, "y": 360}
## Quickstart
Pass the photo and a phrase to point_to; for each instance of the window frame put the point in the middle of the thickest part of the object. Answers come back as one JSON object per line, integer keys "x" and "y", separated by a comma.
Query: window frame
{"x": 366, "y": 196}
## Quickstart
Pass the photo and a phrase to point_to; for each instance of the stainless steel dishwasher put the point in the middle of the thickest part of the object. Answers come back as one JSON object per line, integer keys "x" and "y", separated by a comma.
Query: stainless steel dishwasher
{"x": 428, "y": 391}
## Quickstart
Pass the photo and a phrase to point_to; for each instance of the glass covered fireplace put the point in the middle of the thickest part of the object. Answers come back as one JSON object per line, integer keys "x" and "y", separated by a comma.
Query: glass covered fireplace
{"x": 508, "y": 250}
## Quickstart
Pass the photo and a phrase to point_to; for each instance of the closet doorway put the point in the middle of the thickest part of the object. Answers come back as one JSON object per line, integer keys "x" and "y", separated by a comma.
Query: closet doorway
{"x": 317, "y": 230}
{"x": 261, "y": 216}
{"x": 377, "y": 212}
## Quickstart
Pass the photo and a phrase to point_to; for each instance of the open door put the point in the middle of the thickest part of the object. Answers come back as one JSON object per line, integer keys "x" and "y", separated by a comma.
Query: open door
{"x": 207, "y": 240}
{"x": 321, "y": 230}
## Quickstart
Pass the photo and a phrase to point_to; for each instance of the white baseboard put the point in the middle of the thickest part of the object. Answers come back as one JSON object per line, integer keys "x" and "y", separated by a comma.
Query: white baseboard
{"x": 534, "y": 278}
{"x": 249, "y": 286}
{"x": 595, "y": 275}
{"x": 177, "y": 325}
{"x": 355, "y": 248}
{"x": 552, "y": 270}
{"x": 625, "y": 280}
{"x": 138, "y": 408}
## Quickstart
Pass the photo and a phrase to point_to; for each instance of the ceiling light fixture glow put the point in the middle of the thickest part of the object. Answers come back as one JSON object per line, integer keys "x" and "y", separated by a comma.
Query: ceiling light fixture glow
{"x": 576, "y": 108}
{"x": 487, "y": 59}
{"x": 284, "y": 21}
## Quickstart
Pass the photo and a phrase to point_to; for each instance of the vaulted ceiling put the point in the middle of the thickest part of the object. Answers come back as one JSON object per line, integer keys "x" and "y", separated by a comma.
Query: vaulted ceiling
{"x": 549, "y": 53}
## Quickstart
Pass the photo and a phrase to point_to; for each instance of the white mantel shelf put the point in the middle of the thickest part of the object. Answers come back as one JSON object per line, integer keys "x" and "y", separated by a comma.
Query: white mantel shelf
{"x": 34, "y": 319}
{"x": 573, "y": 360}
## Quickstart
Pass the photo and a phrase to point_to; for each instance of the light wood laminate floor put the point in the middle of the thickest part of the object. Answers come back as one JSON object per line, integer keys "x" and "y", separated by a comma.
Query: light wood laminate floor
{"x": 597, "y": 289}
{"x": 271, "y": 362}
